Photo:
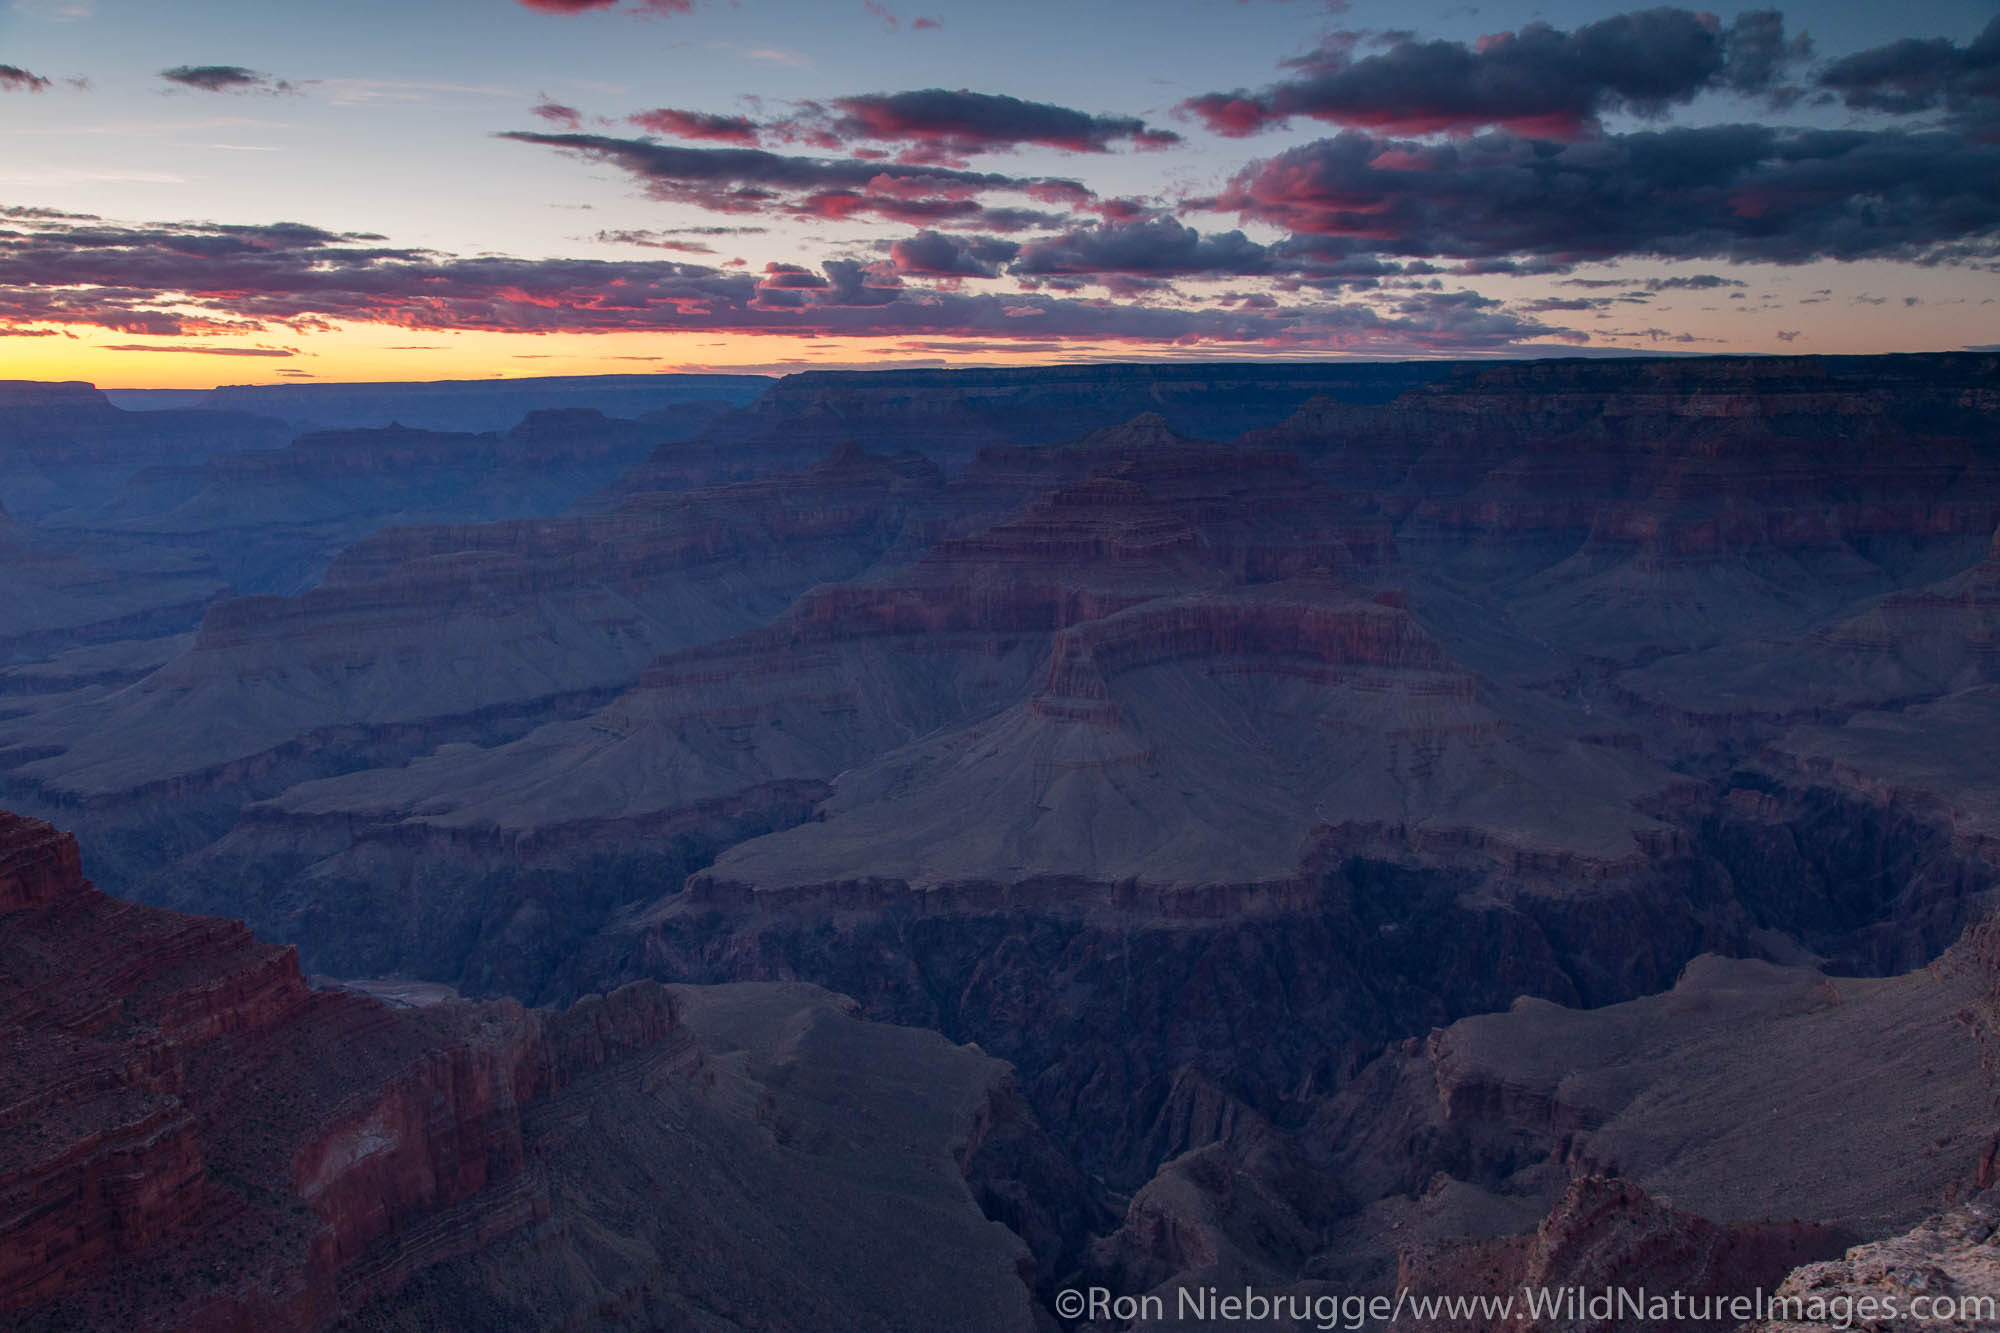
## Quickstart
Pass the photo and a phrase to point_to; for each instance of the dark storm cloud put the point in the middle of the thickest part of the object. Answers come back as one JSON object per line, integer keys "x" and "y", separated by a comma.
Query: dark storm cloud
{"x": 1142, "y": 257}
{"x": 1162, "y": 248}
{"x": 224, "y": 79}
{"x": 930, "y": 126}
{"x": 697, "y": 125}
{"x": 944, "y": 123}
{"x": 754, "y": 180}
{"x": 1912, "y": 76}
{"x": 936, "y": 255}
{"x": 207, "y": 279}
{"x": 1538, "y": 80}
{"x": 14, "y": 79}
{"x": 1748, "y": 193}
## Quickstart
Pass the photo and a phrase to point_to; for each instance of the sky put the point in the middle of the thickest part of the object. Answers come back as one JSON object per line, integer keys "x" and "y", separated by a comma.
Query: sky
{"x": 229, "y": 191}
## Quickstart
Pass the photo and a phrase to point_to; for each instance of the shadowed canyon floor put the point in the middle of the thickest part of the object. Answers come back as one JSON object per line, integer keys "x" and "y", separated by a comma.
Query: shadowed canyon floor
{"x": 1525, "y": 817}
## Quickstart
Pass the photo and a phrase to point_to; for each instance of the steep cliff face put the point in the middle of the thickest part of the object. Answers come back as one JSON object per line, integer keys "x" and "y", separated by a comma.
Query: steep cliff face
{"x": 195, "y": 1139}
{"x": 181, "y": 1105}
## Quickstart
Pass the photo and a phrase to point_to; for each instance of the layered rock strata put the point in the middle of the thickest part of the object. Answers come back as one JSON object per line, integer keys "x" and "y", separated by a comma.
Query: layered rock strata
{"x": 195, "y": 1139}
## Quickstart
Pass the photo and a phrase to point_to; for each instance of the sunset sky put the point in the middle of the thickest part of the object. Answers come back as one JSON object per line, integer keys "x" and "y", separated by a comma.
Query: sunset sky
{"x": 220, "y": 191}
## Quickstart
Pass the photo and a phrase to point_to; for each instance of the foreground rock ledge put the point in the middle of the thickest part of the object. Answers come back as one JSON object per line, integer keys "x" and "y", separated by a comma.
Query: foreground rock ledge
{"x": 193, "y": 1138}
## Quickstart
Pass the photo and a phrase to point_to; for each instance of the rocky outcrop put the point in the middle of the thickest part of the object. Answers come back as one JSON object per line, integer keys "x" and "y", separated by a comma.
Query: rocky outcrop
{"x": 1606, "y": 1238}
{"x": 1509, "y": 1102}
{"x": 1512, "y": 1169}
{"x": 38, "y": 864}
{"x": 174, "y": 1088}
{"x": 1943, "y": 1273}
{"x": 196, "y": 1139}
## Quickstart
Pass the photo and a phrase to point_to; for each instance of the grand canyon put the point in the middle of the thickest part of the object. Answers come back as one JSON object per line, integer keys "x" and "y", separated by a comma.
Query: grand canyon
{"x": 887, "y": 850}
{"x": 925, "y": 666}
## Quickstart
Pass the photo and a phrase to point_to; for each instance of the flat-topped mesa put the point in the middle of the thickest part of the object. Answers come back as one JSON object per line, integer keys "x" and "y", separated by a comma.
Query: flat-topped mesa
{"x": 578, "y": 434}
{"x": 1678, "y": 437}
{"x": 63, "y": 393}
{"x": 1257, "y": 512}
{"x": 1795, "y": 391}
{"x": 394, "y": 449}
{"x": 1122, "y": 525}
{"x": 39, "y": 864}
{"x": 1088, "y": 549}
{"x": 950, "y": 415}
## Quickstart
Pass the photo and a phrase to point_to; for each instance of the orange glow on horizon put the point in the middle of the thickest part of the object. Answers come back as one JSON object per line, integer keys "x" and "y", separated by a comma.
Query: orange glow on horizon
{"x": 359, "y": 353}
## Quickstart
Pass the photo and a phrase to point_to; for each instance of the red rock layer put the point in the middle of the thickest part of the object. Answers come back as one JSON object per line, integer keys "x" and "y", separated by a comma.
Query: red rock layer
{"x": 37, "y": 863}
{"x": 191, "y": 1137}
{"x": 1608, "y": 1234}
